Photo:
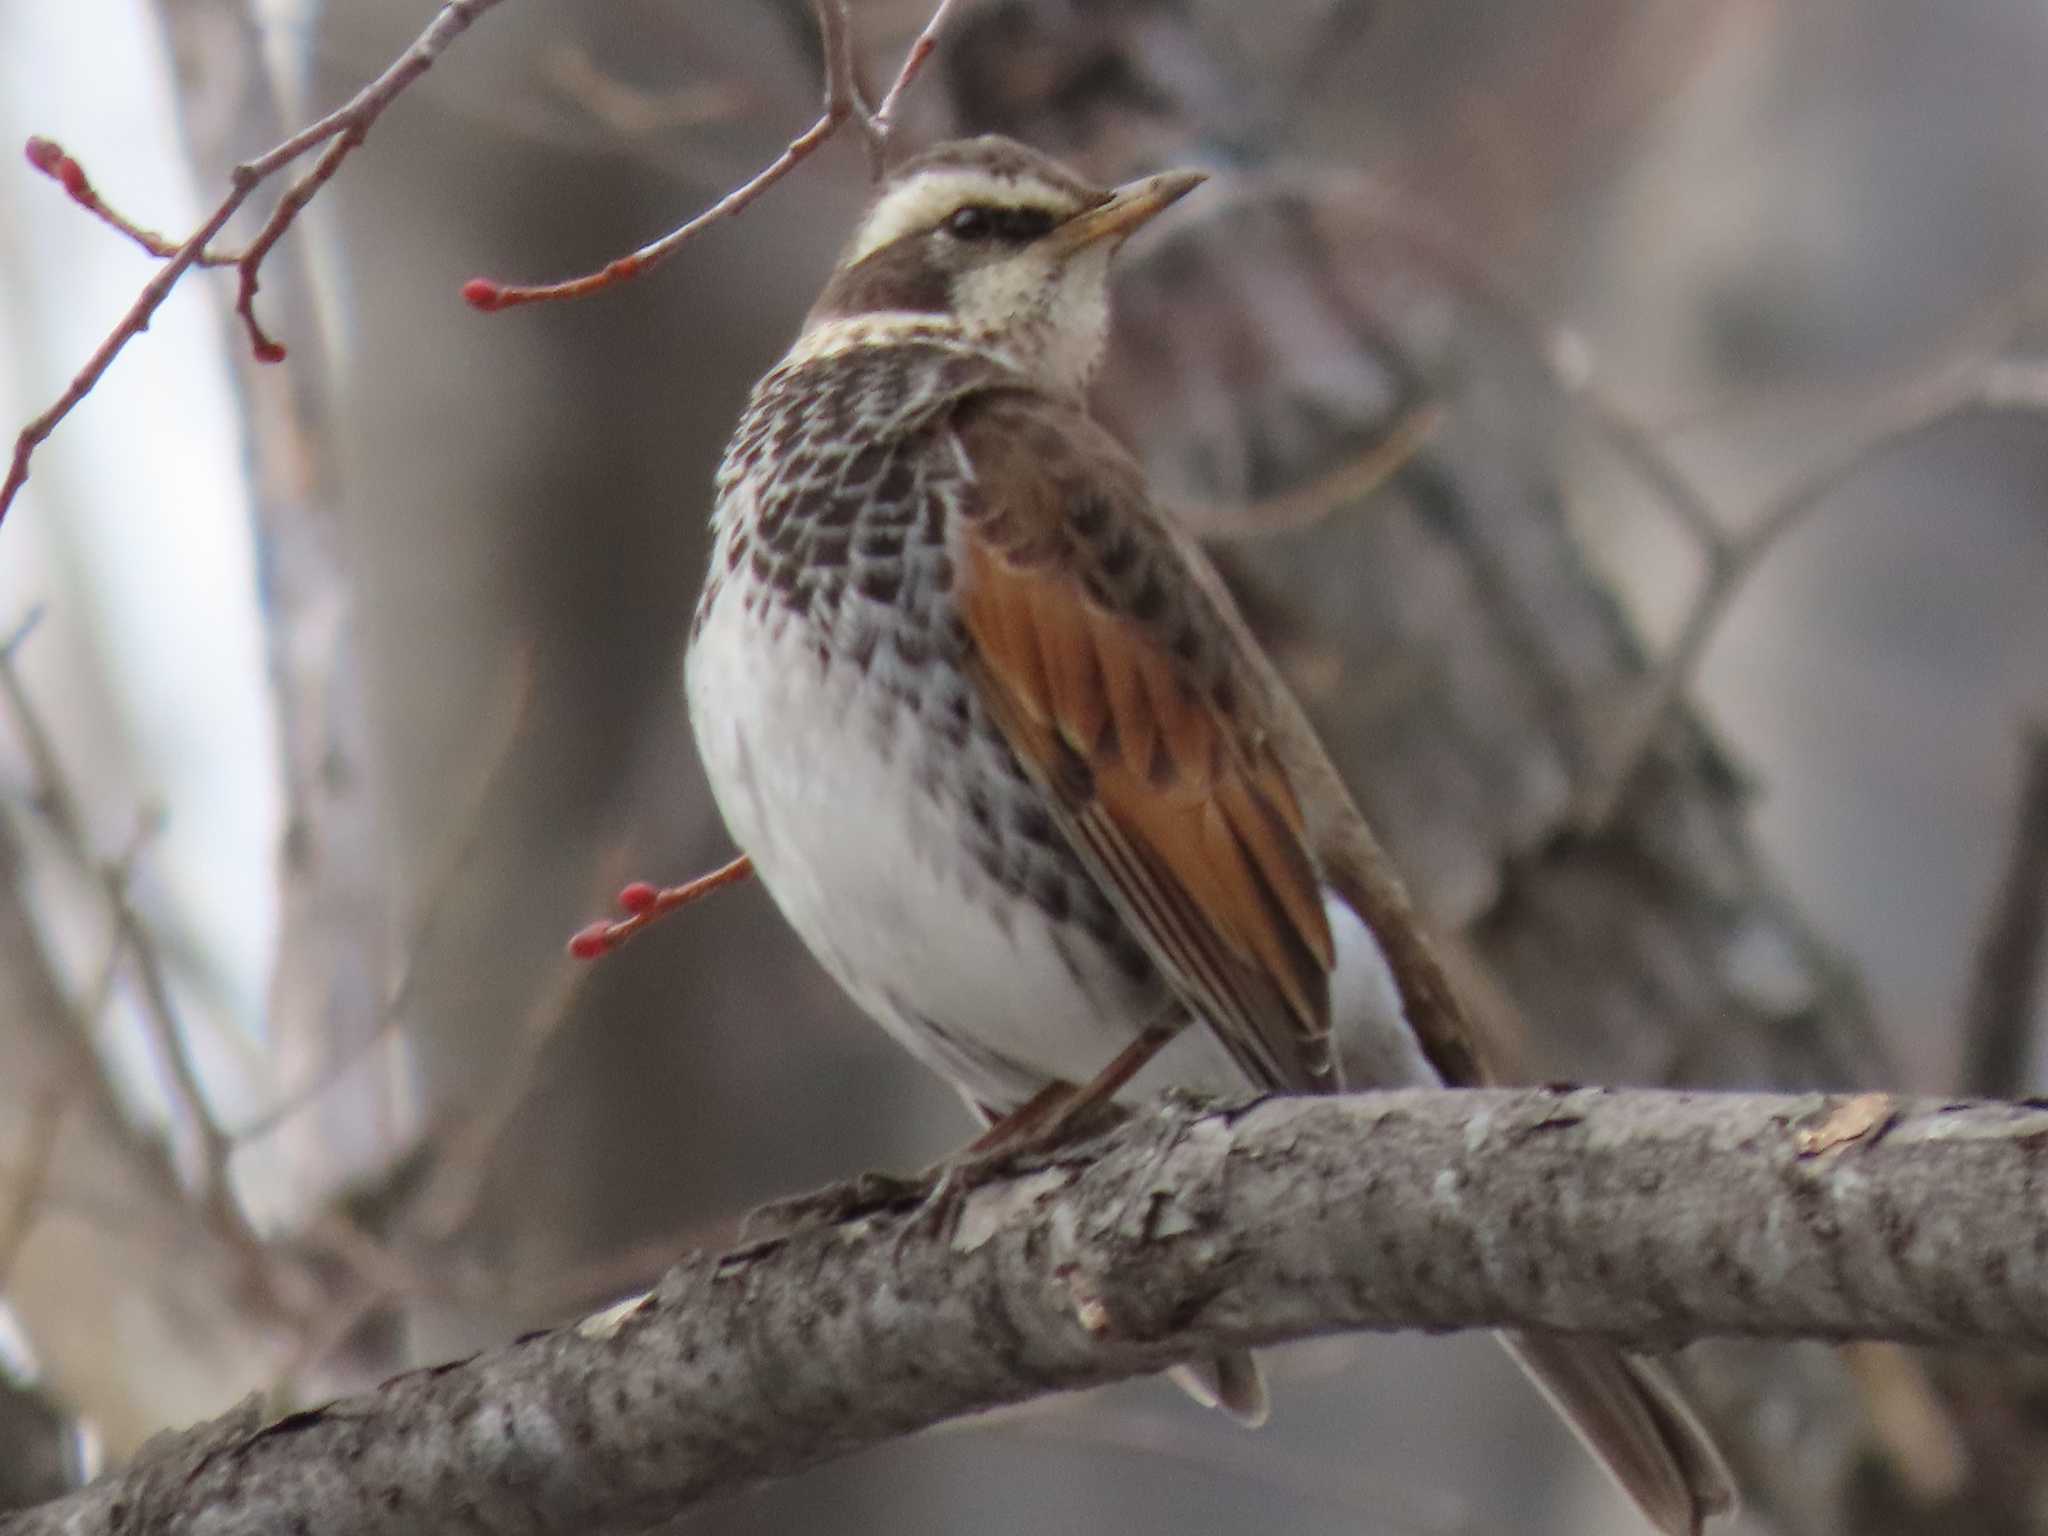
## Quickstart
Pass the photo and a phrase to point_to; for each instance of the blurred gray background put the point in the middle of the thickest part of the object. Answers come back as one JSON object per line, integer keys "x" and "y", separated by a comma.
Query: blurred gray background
{"x": 1752, "y": 232}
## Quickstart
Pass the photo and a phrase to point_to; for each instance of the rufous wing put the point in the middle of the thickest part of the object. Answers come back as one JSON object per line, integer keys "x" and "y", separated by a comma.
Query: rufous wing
{"x": 1117, "y": 688}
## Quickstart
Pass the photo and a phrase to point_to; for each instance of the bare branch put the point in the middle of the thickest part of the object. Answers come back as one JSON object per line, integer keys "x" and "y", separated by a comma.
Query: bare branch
{"x": 24, "y": 1201}
{"x": 172, "y": 1041}
{"x": 843, "y": 99}
{"x": 2005, "y": 984}
{"x": 131, "y": 325}
{"x": 1945, "y": 394}
{"x": 913, "y": 64}
{"x": 1971, "y": 376}
{"x": 48, "y": 156}
{"x": 134, "y": 1196}
{"x": 168, "y": 1035}
{"x": 466, "y": 1150}
{"x": 341, "y": 131}
{"x": 1650, "y": 1218}
{"x": 54, "y": 797}
{"x": 843, "y": 104}
{"x": 470, "y": 822}
{"x": 490, "y": 296}
{"x": 1347, "y": 484}
{"x": 630, "y": 112}
{"x": 644, "y": 903}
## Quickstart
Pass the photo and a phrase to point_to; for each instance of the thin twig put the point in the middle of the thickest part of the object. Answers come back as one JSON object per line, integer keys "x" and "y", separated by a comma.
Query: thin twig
{"x": 913, "y": 64}
{"x": 384, "y": 1277}
{"x": 24, "y": 1201}
{"x": 23, "y": 628}
{"x": 171, "y": 1039}
{"x": 1636, "y": 447}
{"x": 376, "y": 1262}
{"x": 52, "y": 792}
{"x": 1426, "y": 236}
{"x": 490, "y": 296}
{"x": 49, "y": 157}
{"x": 470, "y": 821}
{"x": 584, "y": 1287}
{"x": 60, "y": 807}
{"x": 345, "y": 127}
{"x": 324, "y": 1335}
{"x": 1347, "y": 484}
{"x": 1943, "y": 395}
{"x": 843, "y": 99}
{"x": 1973, "y": 377}
{"x": 633, "y": 113}
{"x": 1986, "y": 328}
{"x": 131, "y": 325}
{"x": 2005, "y": 984}
{"x": 267, "y": 348}
{"x": 843, "y": 104}
{"x": 466, "y": 1151}
{"x": 645, "y": 904}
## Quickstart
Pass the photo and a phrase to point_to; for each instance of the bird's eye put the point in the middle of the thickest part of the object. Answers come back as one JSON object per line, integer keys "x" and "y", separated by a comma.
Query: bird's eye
{"x": 1015, "y": 226}
{"x": 971, "y": 223}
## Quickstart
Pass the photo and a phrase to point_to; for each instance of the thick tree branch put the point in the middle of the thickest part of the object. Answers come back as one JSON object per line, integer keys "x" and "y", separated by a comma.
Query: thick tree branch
{"x": 1649, "y": 1217}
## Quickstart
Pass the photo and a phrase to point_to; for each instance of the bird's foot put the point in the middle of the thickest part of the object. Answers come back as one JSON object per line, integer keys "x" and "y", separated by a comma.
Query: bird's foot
{"x": 936, "y": 1196}
{"x": 866, "y": 1194}
{"x": 937, "y": 1216}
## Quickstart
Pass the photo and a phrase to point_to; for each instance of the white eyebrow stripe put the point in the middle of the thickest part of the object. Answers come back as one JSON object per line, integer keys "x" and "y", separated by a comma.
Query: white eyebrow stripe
{"x": 924, "y": 200}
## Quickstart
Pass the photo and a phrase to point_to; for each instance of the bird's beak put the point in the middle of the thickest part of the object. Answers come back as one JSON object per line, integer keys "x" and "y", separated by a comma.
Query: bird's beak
{"x": 1132, "y": 204}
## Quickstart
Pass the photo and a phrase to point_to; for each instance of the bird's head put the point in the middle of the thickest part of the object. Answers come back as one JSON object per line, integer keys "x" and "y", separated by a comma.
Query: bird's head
{"x": 1000, "y": 242}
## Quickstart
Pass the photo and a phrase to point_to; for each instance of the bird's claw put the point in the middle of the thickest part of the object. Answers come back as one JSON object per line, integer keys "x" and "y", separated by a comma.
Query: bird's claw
{"x": 866, "y": 1194}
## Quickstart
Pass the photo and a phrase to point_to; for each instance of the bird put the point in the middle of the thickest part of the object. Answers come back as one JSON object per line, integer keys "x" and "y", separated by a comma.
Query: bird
{"x": 1006, "y": 757}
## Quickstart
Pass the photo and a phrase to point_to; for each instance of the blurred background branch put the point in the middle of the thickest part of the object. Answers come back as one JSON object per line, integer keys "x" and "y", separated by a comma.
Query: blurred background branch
{"x": 2005, "y": 983}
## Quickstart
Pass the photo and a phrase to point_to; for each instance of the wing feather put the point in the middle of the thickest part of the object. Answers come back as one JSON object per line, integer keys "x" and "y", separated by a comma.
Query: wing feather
{"x": 1110, "y": 675}
{"x": 1077, "y": 694}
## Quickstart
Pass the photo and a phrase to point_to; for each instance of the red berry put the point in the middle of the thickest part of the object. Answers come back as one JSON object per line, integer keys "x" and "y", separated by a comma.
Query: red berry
{"x": 638, "y": 896}
{"x": 481, "y": 293}
{"x": 48, "y": 156}
{"x": 72, "y": 174}
{"x": 591, "y": 942}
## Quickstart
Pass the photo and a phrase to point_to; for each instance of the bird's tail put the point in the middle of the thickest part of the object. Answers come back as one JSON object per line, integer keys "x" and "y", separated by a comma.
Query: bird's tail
{"x": 1634, "y": 1420}
{"x": 1626, "y": 1410}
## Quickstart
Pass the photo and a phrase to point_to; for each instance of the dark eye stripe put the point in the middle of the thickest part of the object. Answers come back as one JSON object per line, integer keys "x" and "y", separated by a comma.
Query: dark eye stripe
{"x": 978, "y": 221}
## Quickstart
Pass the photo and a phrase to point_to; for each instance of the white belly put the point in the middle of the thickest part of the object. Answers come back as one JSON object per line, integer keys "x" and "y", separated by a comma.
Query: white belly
{"x": 821, "y": 790}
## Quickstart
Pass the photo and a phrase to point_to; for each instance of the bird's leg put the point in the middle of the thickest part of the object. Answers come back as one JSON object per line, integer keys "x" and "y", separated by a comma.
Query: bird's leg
{"x": 1060, "y": 1111}
{"x": 1022, "y": 1123}
{"x": 1057, "y": 1112}
{"x": 1110, "y": 1081}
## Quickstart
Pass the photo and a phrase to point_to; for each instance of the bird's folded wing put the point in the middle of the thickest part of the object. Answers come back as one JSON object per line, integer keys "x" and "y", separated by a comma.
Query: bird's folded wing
{"x": 1120, "y": 691}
